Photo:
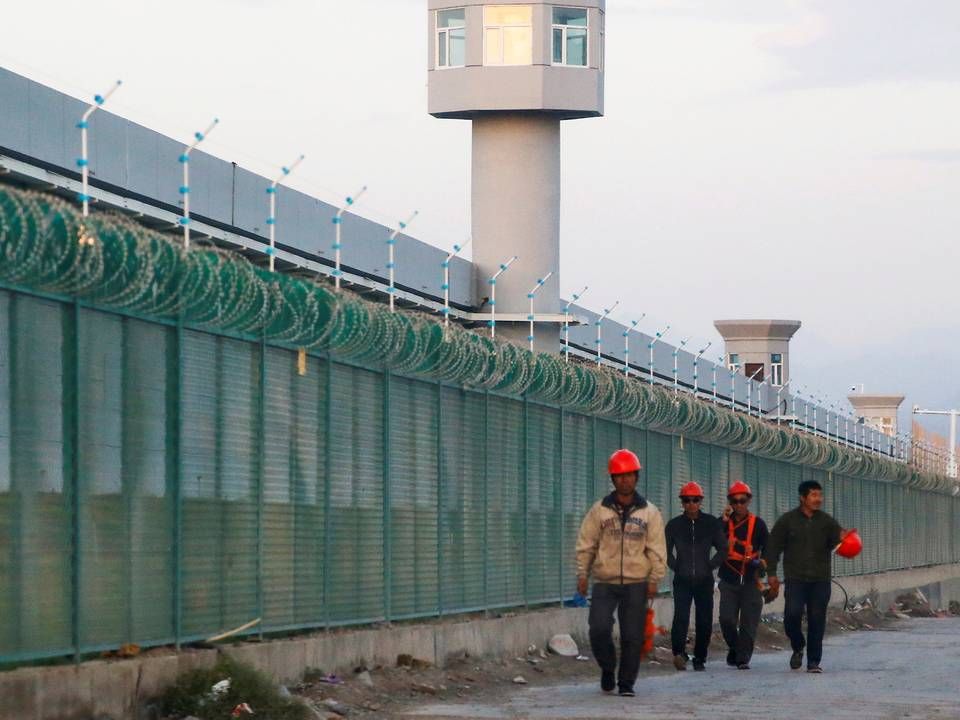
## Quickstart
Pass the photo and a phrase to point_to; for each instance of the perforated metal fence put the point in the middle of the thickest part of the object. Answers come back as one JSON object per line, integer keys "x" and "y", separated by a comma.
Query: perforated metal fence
{"x": 159, "y": 484}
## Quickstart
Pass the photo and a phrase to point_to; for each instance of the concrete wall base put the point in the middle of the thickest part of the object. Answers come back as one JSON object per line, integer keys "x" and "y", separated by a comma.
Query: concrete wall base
{"x": 114, "y": 690}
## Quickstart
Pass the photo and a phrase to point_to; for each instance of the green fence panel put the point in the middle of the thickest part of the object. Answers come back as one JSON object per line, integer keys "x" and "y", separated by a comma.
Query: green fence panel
{"x": 414, "y": 485}
{"x": 505, "y": 502}
{"x": 463, "y": 500}
{"x": 162, "y": 484}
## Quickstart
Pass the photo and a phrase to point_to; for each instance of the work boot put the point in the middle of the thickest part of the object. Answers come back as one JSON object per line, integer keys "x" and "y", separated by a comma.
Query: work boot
{"x": 731, "y": 658}
{"x": 680, "y": 662}
{"x": 796, "y": 660}
{"x": 699, "y": 665}
{"x": 626, "y": 692}
{"x": 814, "y": 668}
{"x": 607, "y": 681}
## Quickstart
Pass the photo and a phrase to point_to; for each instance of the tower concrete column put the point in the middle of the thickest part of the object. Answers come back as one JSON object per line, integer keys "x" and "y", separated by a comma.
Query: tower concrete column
{"x": 516, "y": 211}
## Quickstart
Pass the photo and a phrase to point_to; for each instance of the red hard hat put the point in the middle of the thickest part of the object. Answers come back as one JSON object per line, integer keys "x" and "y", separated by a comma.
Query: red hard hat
{"x": 851, "y": 545}
{"x": 739, "y": 488}
{"x": 691, "y": 489}
{"x": 622, "y": 462}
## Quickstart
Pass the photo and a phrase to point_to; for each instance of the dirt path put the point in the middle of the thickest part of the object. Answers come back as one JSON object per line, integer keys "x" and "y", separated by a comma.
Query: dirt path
{"x": 909, "y": 671}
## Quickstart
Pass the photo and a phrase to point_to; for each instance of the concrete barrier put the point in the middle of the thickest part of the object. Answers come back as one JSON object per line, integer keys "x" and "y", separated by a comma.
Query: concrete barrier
{"x": 115, "y": 689}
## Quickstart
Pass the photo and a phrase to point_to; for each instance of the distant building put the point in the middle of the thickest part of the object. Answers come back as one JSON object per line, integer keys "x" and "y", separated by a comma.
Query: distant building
{"x": 877, "y": 411}
{"x": 760, "y": 349}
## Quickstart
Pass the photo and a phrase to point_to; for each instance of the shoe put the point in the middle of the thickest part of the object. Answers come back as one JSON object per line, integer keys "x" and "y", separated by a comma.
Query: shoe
{"x": 699, "y": 665}
{"x": 814, "y": 669}
{"x": 626, "y": 692}
{"x": 680, "y": 662}
{"x": 743, "y": 666}
{"x": 608, "y": 681}
{"x": 796, "y": 660}
{"x": 731, "y": 658}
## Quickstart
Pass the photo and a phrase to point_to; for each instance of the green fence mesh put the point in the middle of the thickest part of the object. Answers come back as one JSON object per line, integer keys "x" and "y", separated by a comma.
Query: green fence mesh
{"x": 167, "y": 471}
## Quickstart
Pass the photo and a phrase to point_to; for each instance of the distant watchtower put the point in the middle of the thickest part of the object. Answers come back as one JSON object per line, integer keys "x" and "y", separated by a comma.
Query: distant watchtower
{"x": 759, "y": 348}
{"x": 516, "y": 69}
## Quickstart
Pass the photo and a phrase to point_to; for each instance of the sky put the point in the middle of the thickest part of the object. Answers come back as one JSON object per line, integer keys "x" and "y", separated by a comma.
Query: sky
{"x": 792, "y": 159}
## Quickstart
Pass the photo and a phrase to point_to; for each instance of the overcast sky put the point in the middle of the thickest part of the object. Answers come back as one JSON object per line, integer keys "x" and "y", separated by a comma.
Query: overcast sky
{"x": 759, "y": 158}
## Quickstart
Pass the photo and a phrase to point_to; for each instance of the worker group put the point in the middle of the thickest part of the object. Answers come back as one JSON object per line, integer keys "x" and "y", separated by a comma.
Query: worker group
{"x": 625, "y": 548}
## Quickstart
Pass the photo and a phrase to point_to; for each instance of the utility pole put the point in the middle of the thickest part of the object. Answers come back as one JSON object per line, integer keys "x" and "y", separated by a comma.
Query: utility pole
{"x": 952, "y": 450}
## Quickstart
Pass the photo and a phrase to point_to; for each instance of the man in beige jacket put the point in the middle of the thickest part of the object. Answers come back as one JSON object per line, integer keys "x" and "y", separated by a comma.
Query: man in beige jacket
{"x": 622, "y": 545}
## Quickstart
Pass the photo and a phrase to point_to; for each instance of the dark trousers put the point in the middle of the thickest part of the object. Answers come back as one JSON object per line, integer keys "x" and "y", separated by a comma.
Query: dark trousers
{"x": 700, "y": 592}
{"x": 740, "y": 610}
{"x": 630, "y": 602}
{"x": 814, "y": 597}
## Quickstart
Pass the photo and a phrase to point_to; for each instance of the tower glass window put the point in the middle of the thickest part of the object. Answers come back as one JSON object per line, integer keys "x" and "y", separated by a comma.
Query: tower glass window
{"x": 451, "y": 38}
{"x": 733, "y": 362}
{"x": 508, "y": 35}
{"x": 776, "y": 369}
{"x": 570, "y": 36}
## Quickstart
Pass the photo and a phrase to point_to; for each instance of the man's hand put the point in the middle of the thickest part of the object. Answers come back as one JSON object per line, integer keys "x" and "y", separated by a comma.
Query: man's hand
{"x": 774, "y": 583}
{"x": 582, "y": 586}
{"x": 652, "y": 589}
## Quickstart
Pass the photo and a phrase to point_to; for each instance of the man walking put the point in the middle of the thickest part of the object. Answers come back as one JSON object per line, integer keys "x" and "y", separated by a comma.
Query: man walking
{"x": 690, "y": 538}
{"x": 806, "y": 537}
{"x": 741, "y": 600}
{"x": 622, "y": 545}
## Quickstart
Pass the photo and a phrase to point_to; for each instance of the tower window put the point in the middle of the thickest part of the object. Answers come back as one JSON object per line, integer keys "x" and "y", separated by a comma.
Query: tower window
{"x": 508, "y": 35}
{"x": 776, "y": 369}
{"x": 733, "y": 362}
{"x": 570, "y": 36}
{"x": 451, "y": 38}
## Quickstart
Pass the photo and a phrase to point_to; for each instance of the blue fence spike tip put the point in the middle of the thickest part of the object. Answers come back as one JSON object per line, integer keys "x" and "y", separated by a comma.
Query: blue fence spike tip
{"x": 98, "y": 99}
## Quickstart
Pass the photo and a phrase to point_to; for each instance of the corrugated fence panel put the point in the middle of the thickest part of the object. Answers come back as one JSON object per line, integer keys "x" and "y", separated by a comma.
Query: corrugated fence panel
{"x": 311, "y": 493}
{"x": 463, "y": 500}
{"x": 413, "y": 498}
{"x": 578, "y": 487}
{"x": 543, "y": 470}
{"x": 41, "y": 517}
{"x": 355, "y": 570}
{"x": 505, "y": 502}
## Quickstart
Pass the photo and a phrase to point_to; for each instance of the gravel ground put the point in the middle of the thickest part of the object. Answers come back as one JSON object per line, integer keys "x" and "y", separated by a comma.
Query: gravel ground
{"x": 909, "y": 670}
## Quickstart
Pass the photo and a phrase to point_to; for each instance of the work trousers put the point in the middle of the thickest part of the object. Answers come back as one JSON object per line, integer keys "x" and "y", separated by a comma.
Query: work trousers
{"x": 740, "y": 610}
{"x": 700, "y": 592}
{"x": 813, "y": 597}
{"x": 630, "y": 603}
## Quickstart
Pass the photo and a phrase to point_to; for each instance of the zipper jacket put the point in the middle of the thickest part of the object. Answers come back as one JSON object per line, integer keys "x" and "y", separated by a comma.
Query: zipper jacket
{"x": 622, "y": 545}
{"x": 730, "y": 571}
{"x": 806, "y": 543}
{"x": 689, "y": 545}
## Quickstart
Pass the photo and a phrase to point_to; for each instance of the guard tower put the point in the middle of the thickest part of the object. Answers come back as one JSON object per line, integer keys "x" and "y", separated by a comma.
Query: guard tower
{"x": 877, "y": 411}
{"x": 516, "y": 69}
{"x": 759, "y": 348}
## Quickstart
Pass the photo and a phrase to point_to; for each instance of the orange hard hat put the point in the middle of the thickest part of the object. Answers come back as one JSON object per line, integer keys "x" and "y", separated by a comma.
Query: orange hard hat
{"x": 622, "y": 462}
{"x": 851, "y": 545}
{"x": 739, "y": 488}
{"x": 691, "y": 489}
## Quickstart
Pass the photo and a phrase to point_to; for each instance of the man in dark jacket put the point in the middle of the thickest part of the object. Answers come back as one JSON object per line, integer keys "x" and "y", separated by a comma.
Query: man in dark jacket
{"x": 741, "y": 600}
{"x": 806, "y": 537}
{"x": 690, "y": 538}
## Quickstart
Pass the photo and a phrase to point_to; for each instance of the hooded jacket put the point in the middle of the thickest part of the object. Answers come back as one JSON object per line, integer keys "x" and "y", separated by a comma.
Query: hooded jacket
{"x": 622, "y": 545}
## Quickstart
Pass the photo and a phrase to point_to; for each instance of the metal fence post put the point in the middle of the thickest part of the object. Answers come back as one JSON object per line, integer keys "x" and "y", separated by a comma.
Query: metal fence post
{"x": 524, "y": 503}
{"x": 261, "y": 471}
{"x": 439, "y": 499}
{"x": 175, "y": 469}
{"x": 558, "y": 505}
{"x": 486, "y": 500}
{"x": 327, "y": 472}
{"x": 70, "y": 355}
{"x": 387, "y": 520}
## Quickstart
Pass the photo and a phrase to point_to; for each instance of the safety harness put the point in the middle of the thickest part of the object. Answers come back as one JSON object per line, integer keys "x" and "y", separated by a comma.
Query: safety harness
{"x": 737, "y": 560}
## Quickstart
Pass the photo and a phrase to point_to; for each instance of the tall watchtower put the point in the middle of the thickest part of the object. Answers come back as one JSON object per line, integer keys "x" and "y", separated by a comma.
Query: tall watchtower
{"x": 516, "y": 69}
